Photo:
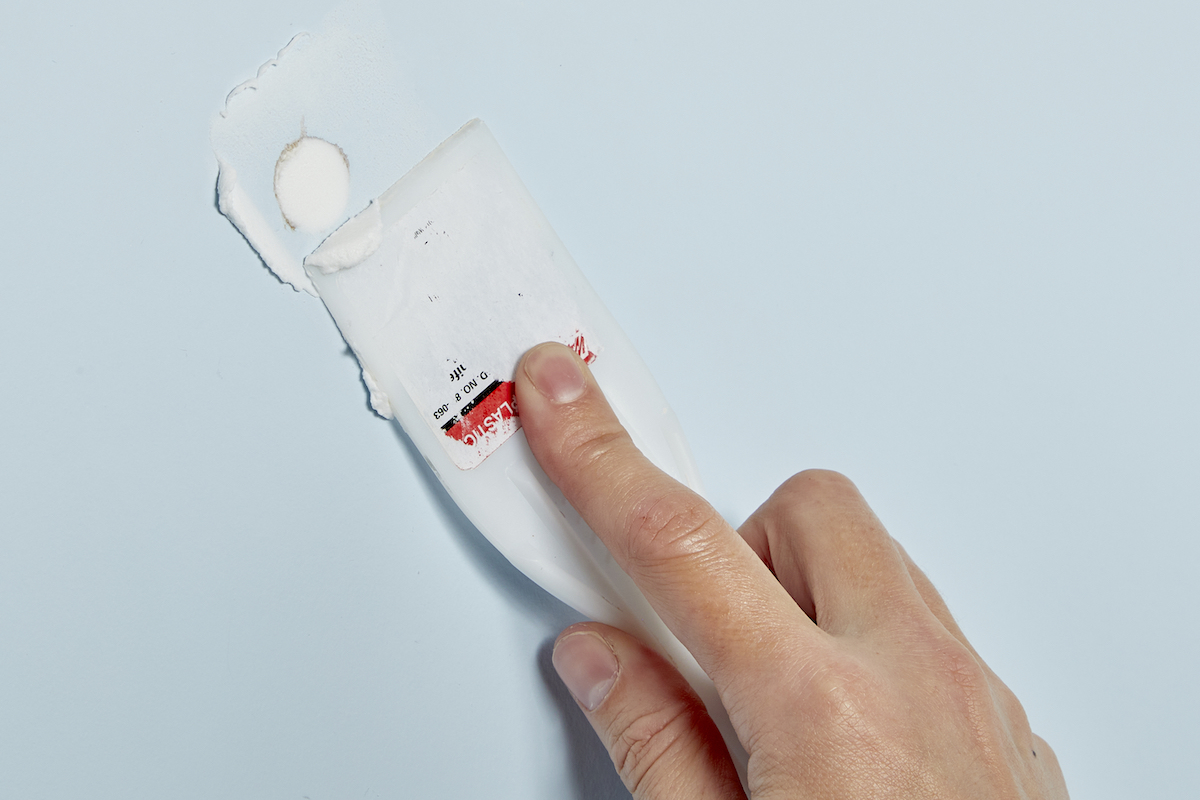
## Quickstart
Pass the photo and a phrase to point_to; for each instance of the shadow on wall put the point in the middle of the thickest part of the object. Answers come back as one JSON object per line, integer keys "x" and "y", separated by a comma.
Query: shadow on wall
{"x": 594, "y": 777}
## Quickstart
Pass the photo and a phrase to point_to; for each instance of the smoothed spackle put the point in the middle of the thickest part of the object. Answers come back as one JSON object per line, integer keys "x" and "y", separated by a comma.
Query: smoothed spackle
{"x": 235, "y": 204}
{"x": 285, "y": 138}
{"x": 312, "y": 183}
{"x": 379, "y": 400}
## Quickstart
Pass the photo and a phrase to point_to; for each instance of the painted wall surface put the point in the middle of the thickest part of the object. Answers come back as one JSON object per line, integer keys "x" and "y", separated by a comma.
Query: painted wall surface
{"x": 951, "y": 250}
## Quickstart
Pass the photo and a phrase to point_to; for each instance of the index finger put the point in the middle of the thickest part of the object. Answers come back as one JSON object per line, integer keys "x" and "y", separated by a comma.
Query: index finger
{"x": 701, "y": 577}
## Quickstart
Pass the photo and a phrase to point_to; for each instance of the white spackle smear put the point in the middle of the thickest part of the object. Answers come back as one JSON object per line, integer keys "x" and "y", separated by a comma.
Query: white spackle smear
{"x": 351, "y": 244}
{"x": 312, "y": 183}
{"x": 379, "y": 399}
{"x": 340, "y": 84}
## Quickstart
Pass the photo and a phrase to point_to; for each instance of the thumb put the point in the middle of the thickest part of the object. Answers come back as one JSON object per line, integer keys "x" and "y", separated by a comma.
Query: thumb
{"x": 660, "y": 738}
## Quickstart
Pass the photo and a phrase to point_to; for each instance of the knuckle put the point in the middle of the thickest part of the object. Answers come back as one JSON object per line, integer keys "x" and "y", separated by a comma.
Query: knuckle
{"x": 670, "y": 526}
{"x": 652, "y": 745}
{"x": 812, "y": 492}
{"x": 990, "y": 715}
{"x": 842, "y": 698}
{"x": 1041, "y": 749}
{"x": 1010, "y": 708}
{"x": 813, "y": 484}
{"x": 967, "y": 675}
{"x": 968, "y": 691}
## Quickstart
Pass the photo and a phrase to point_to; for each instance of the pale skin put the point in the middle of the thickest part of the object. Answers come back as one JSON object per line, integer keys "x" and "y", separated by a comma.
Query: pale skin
{"x": 842, "y": 670}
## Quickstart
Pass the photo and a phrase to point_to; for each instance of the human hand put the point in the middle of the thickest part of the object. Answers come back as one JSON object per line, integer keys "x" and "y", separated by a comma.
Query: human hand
{"x": 842, "y": 670}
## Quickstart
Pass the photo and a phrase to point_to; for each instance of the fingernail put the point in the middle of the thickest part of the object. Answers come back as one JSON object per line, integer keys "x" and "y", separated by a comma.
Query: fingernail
{"x": 555, "y": 372}
{"x": 587, "y": 665}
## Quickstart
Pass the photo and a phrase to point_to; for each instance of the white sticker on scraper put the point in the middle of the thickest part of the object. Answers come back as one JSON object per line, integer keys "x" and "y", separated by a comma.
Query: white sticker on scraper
{"x": 475, "y": 286}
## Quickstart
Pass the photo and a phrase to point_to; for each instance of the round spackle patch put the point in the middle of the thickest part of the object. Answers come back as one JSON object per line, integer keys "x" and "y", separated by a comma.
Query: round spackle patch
{"x": 312, "y": 184}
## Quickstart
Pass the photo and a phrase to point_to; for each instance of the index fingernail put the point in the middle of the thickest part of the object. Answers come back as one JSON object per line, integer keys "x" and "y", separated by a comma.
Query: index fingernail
{"x": 555, "y": 372}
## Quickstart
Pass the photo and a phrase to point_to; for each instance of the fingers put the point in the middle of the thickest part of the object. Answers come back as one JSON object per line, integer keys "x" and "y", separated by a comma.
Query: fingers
{"x": 661, "y": 740}
{"x": 831, "y": 554}
{"x": 702, "y": 579}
